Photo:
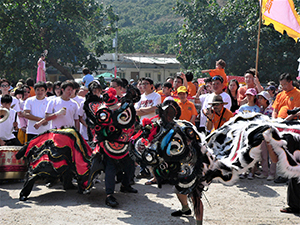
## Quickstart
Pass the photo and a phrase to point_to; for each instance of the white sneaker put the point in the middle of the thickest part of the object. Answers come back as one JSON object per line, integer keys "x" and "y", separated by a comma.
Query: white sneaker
{"x": 270, "y": 177}
{"x": 261, "y": 176}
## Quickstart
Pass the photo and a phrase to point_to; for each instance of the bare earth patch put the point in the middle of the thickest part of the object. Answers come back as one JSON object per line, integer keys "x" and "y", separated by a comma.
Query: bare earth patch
{"x": 247, "y": 202}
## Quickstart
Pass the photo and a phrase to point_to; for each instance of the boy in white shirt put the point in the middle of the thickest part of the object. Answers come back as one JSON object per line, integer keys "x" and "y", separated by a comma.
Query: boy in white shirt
{"x": 6, "y": 128}
{"x": 62, "y": 111}
{"x": 34, "y": 109}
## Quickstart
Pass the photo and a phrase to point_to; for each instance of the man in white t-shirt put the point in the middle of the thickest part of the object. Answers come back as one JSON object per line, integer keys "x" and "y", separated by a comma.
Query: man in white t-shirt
{"x": 62, "y": 111}
{"x": 34, "y": 110}
{"x": 74, "y": 95}
{"x": 217, "y": 86}
{"x": 146, "y": 107}
{"x": 4, "y": 87}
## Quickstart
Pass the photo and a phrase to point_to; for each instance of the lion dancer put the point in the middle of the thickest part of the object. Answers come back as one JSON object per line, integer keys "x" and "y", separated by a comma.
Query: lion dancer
{"x": 113, "y": 124}
{"x": 176, "y": 157}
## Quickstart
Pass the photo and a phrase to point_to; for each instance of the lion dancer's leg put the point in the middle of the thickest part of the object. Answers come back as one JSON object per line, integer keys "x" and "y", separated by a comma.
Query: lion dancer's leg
{"x": 110, "y": 173}
{"x": 67, "y": 180}
{"x": 185, "y": 210}
{"x": 27, "y": 187}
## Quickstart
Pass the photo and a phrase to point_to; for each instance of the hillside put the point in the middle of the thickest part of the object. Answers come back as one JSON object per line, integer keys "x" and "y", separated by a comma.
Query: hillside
{"x": 146, "y": 14}
{"x": 145, "y": 26}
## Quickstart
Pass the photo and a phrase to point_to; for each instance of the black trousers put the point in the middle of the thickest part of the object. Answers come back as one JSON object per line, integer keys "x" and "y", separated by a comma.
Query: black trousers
{"x": 111, "y": 168}
{"x": 30, "y": 136}
{"x": 293, "y": 194}
{"x": 13, "y": 142}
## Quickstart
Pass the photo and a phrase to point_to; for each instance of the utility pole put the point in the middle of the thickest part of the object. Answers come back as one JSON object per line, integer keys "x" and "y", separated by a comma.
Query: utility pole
{"x": 115, "y": 41}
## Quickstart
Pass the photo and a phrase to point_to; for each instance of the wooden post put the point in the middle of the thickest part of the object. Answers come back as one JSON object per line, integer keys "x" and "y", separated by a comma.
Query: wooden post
{"x": 258, "y": 39}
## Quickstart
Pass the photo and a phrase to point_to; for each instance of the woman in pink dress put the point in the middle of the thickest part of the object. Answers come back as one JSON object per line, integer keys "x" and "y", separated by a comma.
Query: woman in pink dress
{"x": 41, "y": 75}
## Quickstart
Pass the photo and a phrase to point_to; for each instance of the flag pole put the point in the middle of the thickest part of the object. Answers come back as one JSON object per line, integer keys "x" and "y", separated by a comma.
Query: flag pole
{"x": 258, "y": 39}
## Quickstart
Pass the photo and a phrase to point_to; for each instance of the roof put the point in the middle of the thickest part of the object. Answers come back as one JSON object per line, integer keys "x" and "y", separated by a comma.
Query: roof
{"x": 153, "y": 60}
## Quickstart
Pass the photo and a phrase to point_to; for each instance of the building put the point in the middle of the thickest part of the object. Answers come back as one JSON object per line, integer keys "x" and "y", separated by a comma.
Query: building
{"x": 135, "y": 66}
{"x": 129, "y": 66}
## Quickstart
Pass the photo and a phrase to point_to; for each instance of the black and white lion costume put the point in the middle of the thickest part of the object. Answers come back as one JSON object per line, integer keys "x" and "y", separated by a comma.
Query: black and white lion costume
{"x": 180, "y": 155}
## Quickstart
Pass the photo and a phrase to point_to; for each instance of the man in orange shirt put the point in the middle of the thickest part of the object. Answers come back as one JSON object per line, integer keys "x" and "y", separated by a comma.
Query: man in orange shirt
{"x": 179, "y": 81}
{"x": 188, "y": 109}
{"x": 288, "y": 99}
{"x": 252, "y": 81}
{"x": 218, "y": 115}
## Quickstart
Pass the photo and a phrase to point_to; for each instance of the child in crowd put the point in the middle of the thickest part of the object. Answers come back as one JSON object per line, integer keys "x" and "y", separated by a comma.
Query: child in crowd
{"x": 250, "y": 106}
{"x": 219, "y": 71}
{"x": 6, "y": 128}
{"x": 264, "y": 100}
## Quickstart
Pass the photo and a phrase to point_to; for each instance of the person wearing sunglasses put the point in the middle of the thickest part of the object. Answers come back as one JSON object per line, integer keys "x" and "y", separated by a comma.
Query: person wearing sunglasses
{"x": 218, "y": 71}
{"x": 217, "y": 115}
{"x": 4, "y": 87}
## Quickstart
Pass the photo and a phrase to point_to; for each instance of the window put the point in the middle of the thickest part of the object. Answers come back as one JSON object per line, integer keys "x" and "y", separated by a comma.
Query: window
{"x": 159, "y": 77}
{"x": 103, "y": 66}
{"x": 121, "y": 74}
{"x": 148, "y": 75}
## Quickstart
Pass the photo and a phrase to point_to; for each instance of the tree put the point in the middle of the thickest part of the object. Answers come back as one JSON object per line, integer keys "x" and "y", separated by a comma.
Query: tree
{"x": 230, "y": 32}
{"x": 61, "y": 27}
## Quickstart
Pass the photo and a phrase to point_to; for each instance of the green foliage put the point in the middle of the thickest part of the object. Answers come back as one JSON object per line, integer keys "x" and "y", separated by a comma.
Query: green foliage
{"x": 29, "y": 27}
{"x": 211, "y": 32}
{"x": 145, "y": 26}
{"x": 137, "y": 41}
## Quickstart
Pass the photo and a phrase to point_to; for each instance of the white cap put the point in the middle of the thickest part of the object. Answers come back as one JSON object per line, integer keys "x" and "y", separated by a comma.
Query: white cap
{"x": 131, "y": 80}
{"x": 265, "y": 94}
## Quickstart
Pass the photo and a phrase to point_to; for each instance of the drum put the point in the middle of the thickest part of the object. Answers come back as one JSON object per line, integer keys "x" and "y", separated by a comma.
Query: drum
{"x": 10, "y": 167}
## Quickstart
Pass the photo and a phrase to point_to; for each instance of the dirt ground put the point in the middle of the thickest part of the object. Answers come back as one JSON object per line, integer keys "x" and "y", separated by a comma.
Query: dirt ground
{"x": 247, "y": 202}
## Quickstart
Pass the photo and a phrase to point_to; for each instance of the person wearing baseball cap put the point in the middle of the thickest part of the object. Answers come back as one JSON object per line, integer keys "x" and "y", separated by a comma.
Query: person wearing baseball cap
{"x": 217, "y": 115}
{"x": 268, "y": 169}
{"x": 263, "y": 99}
{"x": 251, "y": 105}
{"x": 188, "y": 109}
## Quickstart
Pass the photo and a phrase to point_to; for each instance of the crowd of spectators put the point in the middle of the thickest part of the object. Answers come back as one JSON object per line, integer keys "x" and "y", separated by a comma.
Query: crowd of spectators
{"x": 35, "y": 108}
